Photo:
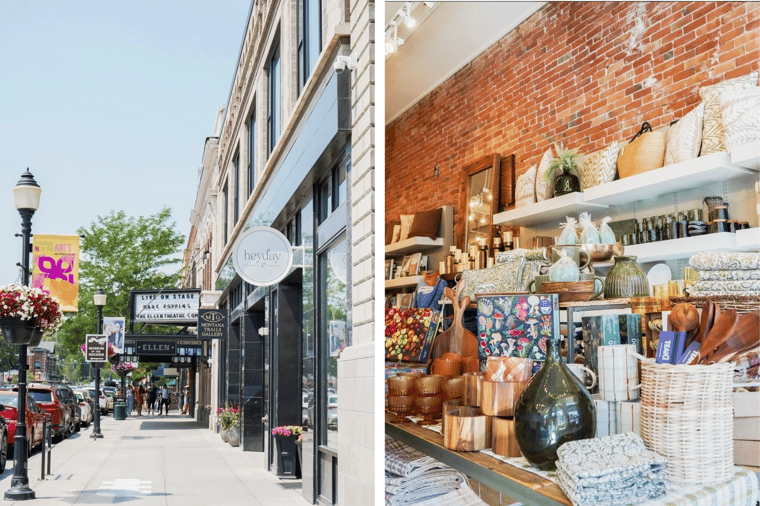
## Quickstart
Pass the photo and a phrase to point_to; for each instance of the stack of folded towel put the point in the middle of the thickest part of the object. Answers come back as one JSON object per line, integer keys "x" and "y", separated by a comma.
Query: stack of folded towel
{"x": 613, "y": 470}
{"x": 725, "y": 273}
{"x": 412, "y": 477}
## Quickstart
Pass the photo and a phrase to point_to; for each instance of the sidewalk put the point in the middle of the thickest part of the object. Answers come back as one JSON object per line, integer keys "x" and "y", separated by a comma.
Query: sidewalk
{"x": 154, "y": 460}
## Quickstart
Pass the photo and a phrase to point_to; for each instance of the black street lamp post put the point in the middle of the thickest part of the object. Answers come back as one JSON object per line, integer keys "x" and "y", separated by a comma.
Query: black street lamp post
{"x": 26, "y": 197}
{"x": 100, "y": 301}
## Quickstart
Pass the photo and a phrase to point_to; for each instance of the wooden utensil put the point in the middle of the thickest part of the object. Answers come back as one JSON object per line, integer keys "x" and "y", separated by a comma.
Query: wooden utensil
{"x": 722, "y": 330}
{"x": 684, "y": 317}
{"x": 746, "y": 335}
{"x": 706, "y": 322}
{"x": 456, "y": 338}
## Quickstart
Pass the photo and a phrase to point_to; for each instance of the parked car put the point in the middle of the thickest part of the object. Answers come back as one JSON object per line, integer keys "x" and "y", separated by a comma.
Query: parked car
{"x": 110, "y": 394}
{"x": 9, "y": 412}
{"x": 48, "y": 399}
{"x": 67, "y": 396}
{"x": 86, "y": 404}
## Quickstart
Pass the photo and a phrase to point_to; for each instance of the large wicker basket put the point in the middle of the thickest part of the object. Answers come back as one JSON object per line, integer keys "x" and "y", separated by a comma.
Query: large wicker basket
{"x": 741, "y": 303}
{"x": 687, "y": 416}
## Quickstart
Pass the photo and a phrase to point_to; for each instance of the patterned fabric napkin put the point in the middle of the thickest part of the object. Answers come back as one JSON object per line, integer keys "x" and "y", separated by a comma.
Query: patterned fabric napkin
{"x": 729, "y": 275}
{"x": 723, "y": 260}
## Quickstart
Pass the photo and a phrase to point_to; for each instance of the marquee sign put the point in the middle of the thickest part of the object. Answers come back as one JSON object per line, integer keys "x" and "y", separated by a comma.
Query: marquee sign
{"x": 168, "y": 307}
{"x": 155, "y": 348}
{"x": 262, "y": 256}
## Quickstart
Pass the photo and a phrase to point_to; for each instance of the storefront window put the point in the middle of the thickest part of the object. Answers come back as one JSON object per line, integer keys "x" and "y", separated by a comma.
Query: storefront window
{"x": 333, "y": 269}
{"x": 305, "y": 236}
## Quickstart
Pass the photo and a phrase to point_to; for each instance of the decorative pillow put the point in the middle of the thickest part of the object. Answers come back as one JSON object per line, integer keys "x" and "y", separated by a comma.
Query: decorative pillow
{"x": 396, "y": 232}
{"x": 685, "y": 137}
{"x": 600, "y": 167}
{"x": 406, "y": 225}
{"x": 712, "y": 130}
{"x": 740, "y": 110}
{"x": 544, "y": 188}
{"x": 425, "y": 224}
{"x": 389, "y": 231}
{"x": 525, "y": 190}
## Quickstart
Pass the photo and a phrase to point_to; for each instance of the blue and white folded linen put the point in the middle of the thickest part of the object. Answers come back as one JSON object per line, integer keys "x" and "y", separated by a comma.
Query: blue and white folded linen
{"x": 612, "y": 470}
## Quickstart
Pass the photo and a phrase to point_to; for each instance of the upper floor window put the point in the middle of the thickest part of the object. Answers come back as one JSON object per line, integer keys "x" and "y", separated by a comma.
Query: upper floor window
{"x": 226, "y": 213}
{"x": 252, "y": 152}
{"x": 273, "y": 114}
{"x": 309, "y": 39}
{"x": 236, "y": 202}
{"x": 332, "y": 192}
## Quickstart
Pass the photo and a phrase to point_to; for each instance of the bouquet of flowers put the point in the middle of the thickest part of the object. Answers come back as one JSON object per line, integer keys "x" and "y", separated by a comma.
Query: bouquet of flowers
{"x": 122, "y": 367}
{"x": 228, "y": 417}
{"x": 28, "y": 303}
{"x": 287, "y": 430}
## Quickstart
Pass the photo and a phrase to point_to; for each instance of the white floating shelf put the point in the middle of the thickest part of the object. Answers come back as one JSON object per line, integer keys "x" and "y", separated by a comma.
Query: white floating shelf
{"x": 412, "y": 245}
{"x": 404, "y": 282}
{"x": 748, "y": 239}
{"x": 713, "y": 168}
{"x": 747, "y": 155}
{"x": 546, "y": 211}
{"x": 674, "y": 249}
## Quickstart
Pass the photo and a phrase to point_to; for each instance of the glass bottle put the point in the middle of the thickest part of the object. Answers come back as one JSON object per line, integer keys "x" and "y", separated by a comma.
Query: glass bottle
{"x": 554, "y": 408}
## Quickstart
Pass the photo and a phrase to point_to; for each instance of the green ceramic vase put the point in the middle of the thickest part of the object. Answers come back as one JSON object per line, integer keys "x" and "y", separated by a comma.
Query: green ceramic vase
{"x": 554, "y": 408}
{"x": 626, "y": 279}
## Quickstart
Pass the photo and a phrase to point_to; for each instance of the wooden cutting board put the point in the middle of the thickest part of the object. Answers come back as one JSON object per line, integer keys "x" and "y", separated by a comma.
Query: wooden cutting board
{"x": 456, "y": 339}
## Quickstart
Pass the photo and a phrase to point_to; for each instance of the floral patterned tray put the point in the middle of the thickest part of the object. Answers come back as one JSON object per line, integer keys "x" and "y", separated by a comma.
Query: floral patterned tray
{"x": 517, "y": 325}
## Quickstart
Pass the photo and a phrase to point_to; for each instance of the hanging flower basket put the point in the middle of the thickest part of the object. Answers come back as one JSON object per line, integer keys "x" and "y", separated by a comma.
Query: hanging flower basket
{"x": 26, "y": 314}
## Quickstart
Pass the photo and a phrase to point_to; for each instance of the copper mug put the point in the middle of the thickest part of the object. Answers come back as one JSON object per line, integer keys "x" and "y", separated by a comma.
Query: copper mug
{"x": 470, "y": 364}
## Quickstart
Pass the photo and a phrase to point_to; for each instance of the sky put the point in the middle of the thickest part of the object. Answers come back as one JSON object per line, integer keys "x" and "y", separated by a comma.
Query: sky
{"x": 109, "y": 104}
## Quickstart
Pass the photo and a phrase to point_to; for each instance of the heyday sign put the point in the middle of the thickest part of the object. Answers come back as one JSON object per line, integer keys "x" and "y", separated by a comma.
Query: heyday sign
{"x": 262, "y": 256}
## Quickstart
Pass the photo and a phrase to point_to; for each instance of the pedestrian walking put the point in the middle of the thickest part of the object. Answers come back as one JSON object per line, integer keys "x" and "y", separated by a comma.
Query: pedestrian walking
{"x": 139, "y": 399}
{"x": 186, "y": 401}
{"x": 130, "y": 399}
{"x": 152, "y": 395}
{"x": 165, "y": 400}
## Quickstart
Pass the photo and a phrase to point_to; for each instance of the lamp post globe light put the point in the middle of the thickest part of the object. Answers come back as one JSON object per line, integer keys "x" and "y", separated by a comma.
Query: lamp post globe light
{"x": 100, "y": 301}
{"x": 26, "y": 197}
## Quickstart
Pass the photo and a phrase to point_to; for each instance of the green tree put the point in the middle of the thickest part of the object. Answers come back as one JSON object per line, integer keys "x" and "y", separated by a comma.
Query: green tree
{"x": 71, "y": 369}
{"x": 119, "y": 254}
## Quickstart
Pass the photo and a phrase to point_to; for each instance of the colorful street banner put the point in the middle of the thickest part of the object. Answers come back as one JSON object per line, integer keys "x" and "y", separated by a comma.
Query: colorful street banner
{"x": 55, "y": 268}
{"x": 113, "y": 327}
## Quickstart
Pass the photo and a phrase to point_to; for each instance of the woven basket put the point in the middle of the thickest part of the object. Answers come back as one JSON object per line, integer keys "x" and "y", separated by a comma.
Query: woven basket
{"x": 741, "y": 303}
{"x": 645, "y": 152}
{"x": 687, "y": 416}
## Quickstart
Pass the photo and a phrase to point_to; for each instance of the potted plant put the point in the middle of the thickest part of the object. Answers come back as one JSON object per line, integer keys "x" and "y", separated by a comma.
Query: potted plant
{"x": 26, "y": 313}
{"x": 570, "y": 163}
{"x": 227, "y": 417}
{"x": 285, "y": 437}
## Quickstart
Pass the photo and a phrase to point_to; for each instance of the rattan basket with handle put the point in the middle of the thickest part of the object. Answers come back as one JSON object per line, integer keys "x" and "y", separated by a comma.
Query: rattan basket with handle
{"x": 687, "y": 416}
{"x": 645, "y": 152}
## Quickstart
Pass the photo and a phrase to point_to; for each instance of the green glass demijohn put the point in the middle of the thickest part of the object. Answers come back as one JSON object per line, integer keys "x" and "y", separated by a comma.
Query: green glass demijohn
{"x": 626, "y": 279}
{"x": 554, "y": 408}
{"x": 566, "y": 183}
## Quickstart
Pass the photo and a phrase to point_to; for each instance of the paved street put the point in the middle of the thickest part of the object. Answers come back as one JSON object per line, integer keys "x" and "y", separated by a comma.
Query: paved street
{"x": 154, "y": 460}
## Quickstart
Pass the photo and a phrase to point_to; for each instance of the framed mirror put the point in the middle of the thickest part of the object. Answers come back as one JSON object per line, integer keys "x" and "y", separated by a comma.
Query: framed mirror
{"x": 478, "y": 202}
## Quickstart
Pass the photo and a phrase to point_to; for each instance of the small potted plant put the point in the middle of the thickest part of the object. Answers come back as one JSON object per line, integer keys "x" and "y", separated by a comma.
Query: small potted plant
{"x": 26, "y": 313}
{"x": 570, "y": 163}
{"x": 227, "y": 418}
{"x": 285, "y": 437}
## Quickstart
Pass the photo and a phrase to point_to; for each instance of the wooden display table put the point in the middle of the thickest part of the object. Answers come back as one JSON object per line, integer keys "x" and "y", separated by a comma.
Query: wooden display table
{"x": 519, "y": 485}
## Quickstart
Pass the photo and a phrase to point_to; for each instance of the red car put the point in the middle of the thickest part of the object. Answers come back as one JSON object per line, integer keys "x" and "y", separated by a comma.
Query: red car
{"x": 34, "y": 417}
{"x": 49, "y": 400}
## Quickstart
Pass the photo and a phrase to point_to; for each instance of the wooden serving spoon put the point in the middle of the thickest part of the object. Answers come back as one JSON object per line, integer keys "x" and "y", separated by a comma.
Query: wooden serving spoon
{"x": 746, "y": 335}
{"x": 724, "y": 328}
{"x": 706, "y": 322}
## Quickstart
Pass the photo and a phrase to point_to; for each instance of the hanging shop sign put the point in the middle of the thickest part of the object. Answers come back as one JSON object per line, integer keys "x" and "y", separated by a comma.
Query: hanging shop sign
{"x": 96, "y": 348}
{"x": 156, "y": 347}
{"x": 56, "y": 267}
{"x": 170, "y": 307}
{"x": 262, "y": 256}
{"x": 114, "y": 327}
{"x": 212, "y": 324}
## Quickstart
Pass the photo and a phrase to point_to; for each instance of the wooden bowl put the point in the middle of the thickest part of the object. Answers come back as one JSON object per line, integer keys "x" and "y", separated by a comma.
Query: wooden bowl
{"x": 446, "y": 407}
{"x": 473, "y": 387}
{"x": 499, "y": 398}
{"x": 602, "y": 252}
{"x": 467, "y": 429}
{"x": 503, "y": 439}
{"x": 401, "y": 385}
{"x": 570, "y": 291}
